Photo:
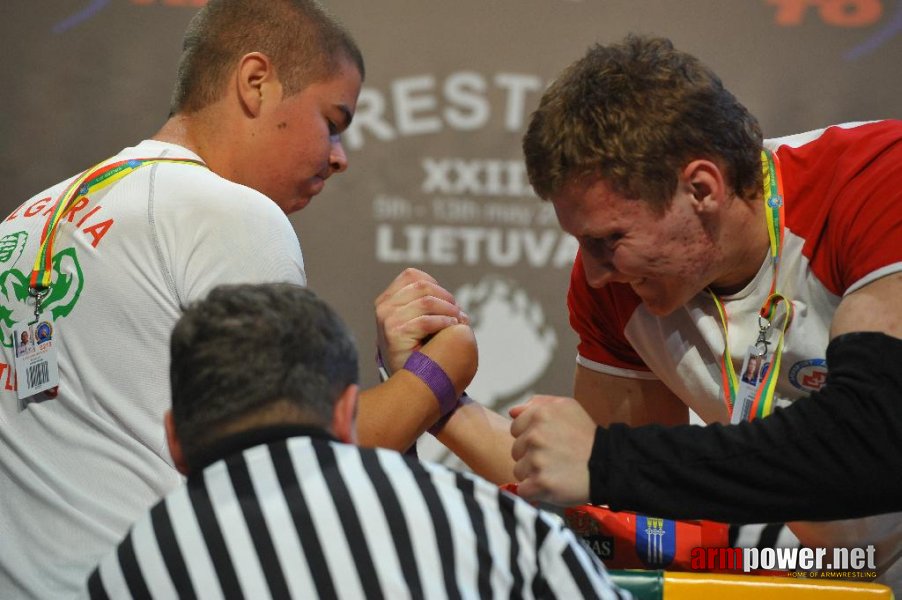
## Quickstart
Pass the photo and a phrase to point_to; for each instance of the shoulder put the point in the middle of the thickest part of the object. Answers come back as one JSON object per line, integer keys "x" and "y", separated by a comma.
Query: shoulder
{"x": 181, "y": 183}
{"x": 843, "y": 197}
{"x": 195, "y": 188}
{"x": 823, "y": 162}
{"x": 840, "y": 136}
{"x": 193, "y": 207}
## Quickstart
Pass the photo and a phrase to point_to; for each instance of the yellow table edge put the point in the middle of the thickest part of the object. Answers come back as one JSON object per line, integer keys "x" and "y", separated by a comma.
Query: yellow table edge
{"x": 701, "y": 586}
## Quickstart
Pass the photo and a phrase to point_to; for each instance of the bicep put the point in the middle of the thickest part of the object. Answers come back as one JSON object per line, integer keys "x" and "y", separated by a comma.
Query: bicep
{"x": 611, "y": 399}
{"x": 874, "y": 307}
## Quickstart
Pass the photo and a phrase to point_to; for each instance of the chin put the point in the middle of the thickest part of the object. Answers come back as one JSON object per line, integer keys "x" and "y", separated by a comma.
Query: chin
{"x": 295, "y": 204}
{"x": 661, "y": 298}
{"x": 660, "y": 307}
{"x": 659, "y": 310}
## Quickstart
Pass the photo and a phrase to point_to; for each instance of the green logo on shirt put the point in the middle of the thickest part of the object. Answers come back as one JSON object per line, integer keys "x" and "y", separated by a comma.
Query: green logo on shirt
{"x": 15, "y": 304}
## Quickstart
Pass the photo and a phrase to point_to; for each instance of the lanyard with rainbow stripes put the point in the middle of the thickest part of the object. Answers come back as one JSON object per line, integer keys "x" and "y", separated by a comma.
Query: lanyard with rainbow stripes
{"x": 763, "y": 403}
{"x": 94, "y": 179}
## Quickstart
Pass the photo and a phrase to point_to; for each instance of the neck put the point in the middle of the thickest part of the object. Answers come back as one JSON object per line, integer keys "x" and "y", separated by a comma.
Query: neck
{"x": 746, "y": 245}
{"x": 241, "y": 439}
{"x": 194, "y": 132}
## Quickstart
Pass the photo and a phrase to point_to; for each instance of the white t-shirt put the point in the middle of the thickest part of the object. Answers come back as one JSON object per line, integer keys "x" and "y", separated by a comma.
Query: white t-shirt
{"x": 77, "y": 469}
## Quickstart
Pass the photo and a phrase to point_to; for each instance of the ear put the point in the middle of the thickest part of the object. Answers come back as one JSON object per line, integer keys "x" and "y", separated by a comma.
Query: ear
{"x": 344, "y": 416}
{"x": 256, "y": 79}
{"x": 175, "y": 447}
{"x": 704, "y": 180}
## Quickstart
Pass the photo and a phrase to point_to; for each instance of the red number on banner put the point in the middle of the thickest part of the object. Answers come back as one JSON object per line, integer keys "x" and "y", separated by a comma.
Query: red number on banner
{"x": 841, "y": 13}
{"x": 851, "y": 13}
{"x": 789, "y": 12}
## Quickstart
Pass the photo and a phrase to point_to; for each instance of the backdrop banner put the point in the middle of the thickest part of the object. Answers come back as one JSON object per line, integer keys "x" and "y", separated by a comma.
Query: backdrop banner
{"x": 436, "y": 178}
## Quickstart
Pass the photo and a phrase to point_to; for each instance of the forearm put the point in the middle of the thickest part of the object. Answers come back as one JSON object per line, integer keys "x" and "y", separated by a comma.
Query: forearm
{"x": 395, "y": 413}
{"x": 481, "y": 438}
{"x": 833, "y": 455}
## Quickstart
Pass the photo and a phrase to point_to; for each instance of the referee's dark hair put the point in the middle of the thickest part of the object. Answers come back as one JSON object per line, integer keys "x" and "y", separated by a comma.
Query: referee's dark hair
{"x": 265, "y": 352}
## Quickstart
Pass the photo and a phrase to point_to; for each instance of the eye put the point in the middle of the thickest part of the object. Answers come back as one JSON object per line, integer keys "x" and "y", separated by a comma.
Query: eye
{"x": 613, "y": 238}
{"x": 338, "y": 118}
{"x": 601, "y": 245}
{"x": 593, "y": 245}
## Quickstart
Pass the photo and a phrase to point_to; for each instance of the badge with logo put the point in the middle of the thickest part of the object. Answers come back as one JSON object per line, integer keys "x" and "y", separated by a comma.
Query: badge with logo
{"x": 43, "y": 332}
{"x": 754, "y": 369}
{"x": 809, "y": 375}
{"x": 36, "y": 359}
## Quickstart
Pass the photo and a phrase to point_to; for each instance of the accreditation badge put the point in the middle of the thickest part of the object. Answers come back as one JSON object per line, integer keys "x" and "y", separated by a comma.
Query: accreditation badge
{"x": 36, "y": 359}
{"x": 754, "y": 369}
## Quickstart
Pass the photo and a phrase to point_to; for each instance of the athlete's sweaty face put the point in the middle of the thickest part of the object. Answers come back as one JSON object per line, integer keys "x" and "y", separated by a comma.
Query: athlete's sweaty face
{"x": 664, "y": 256}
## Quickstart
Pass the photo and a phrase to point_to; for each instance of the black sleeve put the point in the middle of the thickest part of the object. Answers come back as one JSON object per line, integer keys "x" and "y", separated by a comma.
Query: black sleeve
{"x": 835, "y": 454}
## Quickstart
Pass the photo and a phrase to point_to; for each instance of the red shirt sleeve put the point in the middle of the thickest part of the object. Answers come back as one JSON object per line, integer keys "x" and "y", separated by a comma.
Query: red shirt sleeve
{"x": 844, "y": 196}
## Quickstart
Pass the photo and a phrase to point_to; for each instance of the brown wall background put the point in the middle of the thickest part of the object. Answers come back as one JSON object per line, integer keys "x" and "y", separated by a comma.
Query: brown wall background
{"x": 436, "y": 178}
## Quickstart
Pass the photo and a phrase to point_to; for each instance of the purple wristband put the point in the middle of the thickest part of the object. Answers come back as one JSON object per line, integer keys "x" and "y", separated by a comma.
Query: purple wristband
{"x": 434, "y": 376}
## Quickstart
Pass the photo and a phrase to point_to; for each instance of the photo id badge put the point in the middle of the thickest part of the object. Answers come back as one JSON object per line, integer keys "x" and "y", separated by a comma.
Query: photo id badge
{"x": 754, "y": 369}
{"x": 36, "y": 360}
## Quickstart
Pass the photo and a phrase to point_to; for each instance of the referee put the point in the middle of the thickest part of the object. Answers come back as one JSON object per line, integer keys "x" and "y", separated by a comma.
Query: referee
{"x": 279, "y": 503}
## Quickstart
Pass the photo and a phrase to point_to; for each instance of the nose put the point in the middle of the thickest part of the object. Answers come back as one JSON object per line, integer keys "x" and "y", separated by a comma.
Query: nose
{"x": 338, "y": 158}
{"x": 599, "y": 273}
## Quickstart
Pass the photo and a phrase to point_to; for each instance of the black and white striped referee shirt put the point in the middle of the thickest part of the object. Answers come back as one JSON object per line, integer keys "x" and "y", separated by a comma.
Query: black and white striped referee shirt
{"x": 307, "y": 517}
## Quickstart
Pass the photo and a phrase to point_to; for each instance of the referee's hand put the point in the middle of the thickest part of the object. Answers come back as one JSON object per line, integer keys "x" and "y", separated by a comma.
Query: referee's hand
{"x": 553, "y": 439}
